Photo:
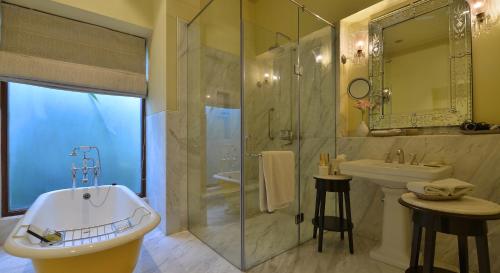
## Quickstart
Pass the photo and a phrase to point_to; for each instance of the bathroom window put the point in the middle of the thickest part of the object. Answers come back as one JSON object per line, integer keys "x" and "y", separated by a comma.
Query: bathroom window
{"x": 40, "y": 126}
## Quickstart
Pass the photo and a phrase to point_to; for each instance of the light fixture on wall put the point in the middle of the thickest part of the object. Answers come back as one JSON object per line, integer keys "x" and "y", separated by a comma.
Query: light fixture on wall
{"x": 322, "y": 55}
{"x": 483, "y": 15}
{"x": 318, "y": 56}
{"x": 267, "y": 78}
{"x": 358, "y": 46}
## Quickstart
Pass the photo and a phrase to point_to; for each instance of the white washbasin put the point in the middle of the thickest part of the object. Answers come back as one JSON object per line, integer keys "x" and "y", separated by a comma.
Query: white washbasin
{"x": 393, "y": 175}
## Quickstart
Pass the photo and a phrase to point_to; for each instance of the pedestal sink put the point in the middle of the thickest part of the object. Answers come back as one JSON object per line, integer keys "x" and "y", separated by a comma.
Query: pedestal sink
{"x": 392, "y": 177}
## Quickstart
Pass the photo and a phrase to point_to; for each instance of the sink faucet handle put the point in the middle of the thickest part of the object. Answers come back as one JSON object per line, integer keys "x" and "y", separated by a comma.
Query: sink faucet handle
{"x": 401, "y": 156}
{"x": 388, "y": 157}
{"x": 413, "y": 159}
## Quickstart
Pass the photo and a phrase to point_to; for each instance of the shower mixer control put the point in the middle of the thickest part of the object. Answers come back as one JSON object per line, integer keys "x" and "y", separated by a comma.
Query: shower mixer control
{"x": 286, "y": 135}
{"x": 297, "y": 69}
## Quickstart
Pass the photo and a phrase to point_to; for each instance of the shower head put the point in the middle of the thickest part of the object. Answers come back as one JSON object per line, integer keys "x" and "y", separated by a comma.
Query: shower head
{"x": 283, "y": 35}
{"x": 276, "y": 48}
{"x": 276, "y": 41}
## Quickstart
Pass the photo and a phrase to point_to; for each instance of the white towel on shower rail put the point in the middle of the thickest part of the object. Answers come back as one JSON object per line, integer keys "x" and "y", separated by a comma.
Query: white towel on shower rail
{"x": 276, "y": 180}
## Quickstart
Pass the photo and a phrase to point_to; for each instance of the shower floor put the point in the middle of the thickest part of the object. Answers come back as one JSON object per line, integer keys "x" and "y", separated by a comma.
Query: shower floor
{"x": 184, "y": 253}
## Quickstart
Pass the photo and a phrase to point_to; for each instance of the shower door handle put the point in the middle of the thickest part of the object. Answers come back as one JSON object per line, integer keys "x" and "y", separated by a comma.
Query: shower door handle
{"x": 269, "y": 117}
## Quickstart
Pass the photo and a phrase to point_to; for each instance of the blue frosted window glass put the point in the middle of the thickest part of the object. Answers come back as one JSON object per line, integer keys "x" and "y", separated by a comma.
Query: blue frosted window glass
{"x": 45, "y": 124}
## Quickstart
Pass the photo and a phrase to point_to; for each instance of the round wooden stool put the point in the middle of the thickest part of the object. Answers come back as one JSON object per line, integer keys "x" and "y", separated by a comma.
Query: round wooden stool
{"x": 464, "y": 217}
{"x": 340, "y": 185}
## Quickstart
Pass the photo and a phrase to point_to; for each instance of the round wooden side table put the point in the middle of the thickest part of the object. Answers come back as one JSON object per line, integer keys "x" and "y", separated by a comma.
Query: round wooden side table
{"x": 340, "y": 185}
{"x": 464, "y": 217}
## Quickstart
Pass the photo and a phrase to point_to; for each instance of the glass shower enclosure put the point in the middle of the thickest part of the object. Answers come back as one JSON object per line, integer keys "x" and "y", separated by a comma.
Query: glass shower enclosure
{"x": 257, "y": 81}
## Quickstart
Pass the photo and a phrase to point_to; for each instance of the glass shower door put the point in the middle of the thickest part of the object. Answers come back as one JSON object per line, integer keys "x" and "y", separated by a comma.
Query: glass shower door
{"x": 270, "y": 124}
{"x": 268, "y": 86}
{"x": 317, "y": 106}
{"x": 214, "y": 128}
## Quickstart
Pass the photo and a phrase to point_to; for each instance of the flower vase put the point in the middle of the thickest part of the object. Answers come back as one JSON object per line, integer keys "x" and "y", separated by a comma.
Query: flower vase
{"x": 362, "y": 130}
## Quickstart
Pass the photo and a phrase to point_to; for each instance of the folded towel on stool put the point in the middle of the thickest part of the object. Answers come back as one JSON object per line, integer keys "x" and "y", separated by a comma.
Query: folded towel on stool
{"x": 445, "y": 187}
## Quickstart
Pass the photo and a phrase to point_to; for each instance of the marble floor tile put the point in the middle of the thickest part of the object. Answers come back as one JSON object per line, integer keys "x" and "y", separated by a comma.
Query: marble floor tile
{"x": 335, "y": 258}
{"x": 184, "y": 253}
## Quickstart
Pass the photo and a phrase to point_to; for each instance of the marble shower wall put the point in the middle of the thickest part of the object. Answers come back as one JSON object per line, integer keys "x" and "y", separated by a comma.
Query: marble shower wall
{"x": 475, "y": 159}
{"x": 220, "y": 94}
{"x": 223, "y": 135}
{"x": 176, "y": 138}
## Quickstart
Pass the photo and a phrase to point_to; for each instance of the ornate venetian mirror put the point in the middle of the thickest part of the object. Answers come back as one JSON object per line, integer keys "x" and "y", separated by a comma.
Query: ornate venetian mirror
{"x": 420, "y": 65}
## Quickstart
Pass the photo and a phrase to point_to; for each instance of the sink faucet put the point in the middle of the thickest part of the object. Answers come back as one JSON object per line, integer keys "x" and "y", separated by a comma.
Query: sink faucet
{"x": 388, "y": 157}
{"x": 401, "y": 156}
{"x": 413, "y": 159}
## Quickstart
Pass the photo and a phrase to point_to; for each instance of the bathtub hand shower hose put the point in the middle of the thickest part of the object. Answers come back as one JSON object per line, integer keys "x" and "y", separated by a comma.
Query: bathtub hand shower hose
{"x": 103, "y": 201}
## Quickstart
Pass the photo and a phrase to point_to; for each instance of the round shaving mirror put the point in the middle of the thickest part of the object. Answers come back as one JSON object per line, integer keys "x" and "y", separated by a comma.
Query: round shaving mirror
{"x": 359, "y": 88}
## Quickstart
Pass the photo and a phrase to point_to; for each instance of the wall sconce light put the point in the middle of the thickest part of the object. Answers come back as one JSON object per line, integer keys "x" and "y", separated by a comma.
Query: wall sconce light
{"x": 483, "y": 16}
{"x": 319, "y": 58}
{"x": 267, "y": 77}
{"x": 357, "y": 48}
{"x": 359, "y": 54}
{"x": 318, "y": 55}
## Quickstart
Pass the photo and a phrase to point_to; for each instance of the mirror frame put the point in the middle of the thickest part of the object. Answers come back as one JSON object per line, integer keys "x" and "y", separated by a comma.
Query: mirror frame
{"x": 355, "y": 80}
{"x": 460, "y": 56}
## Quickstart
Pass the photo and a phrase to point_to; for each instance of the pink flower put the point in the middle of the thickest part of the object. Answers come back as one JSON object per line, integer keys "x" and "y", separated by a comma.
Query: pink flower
{"x": 363, "y": 105}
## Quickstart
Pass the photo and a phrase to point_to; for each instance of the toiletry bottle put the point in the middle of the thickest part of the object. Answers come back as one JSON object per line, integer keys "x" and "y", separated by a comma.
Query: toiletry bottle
{"x": 324, "y": 167}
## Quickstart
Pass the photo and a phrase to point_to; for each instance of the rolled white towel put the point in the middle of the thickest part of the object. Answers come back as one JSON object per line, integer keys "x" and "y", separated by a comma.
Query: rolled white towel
{"x": 445, "y": 187}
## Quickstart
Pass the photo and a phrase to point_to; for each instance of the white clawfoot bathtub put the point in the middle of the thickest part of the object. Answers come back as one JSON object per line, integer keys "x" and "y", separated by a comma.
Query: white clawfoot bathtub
{"x": 102, "y": 234}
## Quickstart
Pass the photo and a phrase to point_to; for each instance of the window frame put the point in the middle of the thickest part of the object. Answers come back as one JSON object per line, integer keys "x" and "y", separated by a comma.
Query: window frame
{"x": 6, "y": 212}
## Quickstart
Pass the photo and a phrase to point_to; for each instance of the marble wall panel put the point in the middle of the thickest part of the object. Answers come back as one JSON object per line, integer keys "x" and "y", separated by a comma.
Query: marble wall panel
{"x": 474, "y": 159}
{"x": 156, "y": 165}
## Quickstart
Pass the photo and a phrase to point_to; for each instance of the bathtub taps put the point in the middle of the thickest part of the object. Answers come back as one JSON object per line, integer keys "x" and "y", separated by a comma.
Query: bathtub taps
{"x": 73, "y": 174}
{"x": 94, "y": 167}
{"x": 85, "y": 168}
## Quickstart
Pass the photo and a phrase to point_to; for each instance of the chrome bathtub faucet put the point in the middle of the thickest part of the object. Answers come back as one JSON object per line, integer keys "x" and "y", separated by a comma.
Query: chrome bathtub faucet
{"x": 89, "y": 164}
